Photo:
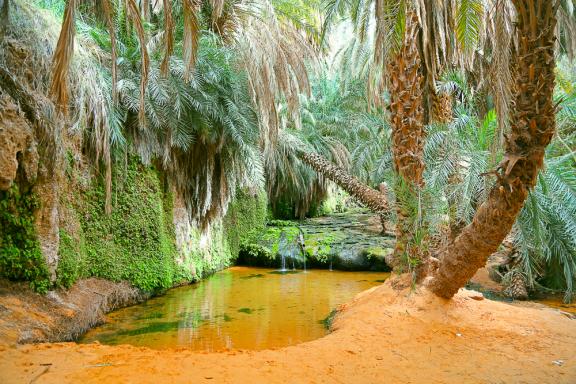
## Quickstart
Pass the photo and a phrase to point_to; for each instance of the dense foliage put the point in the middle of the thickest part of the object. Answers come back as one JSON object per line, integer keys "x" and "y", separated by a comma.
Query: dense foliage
{"x": 222, "y": 98}
{"x": 20, "y": 254}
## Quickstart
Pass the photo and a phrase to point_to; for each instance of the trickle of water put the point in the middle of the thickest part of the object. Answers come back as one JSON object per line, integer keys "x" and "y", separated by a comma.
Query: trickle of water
{"x": 283, "y": 262}
{"x": 302, "y": 246}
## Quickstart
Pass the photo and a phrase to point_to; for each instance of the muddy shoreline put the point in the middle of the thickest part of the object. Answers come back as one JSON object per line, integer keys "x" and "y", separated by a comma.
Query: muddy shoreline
{"x": 61, "y": 315}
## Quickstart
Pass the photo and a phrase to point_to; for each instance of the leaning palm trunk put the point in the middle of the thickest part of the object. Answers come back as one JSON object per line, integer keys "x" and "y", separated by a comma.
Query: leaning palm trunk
{"x": 369, "y": 197}
{"x": 532, "y": 127}
{"x": 407, "y": 118}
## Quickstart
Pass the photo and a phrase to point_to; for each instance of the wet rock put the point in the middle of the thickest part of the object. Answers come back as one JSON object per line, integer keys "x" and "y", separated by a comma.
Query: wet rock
{"x": 340, "y": 242}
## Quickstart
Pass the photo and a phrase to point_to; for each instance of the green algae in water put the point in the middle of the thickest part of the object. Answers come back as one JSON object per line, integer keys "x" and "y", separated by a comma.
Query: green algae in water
{"x": 150, "y": 316}
{"x": 151, "y": 328}
{"x": 328, "y": 320}
{"x": 253, "y": 276}
{"x": 246, "y": 310}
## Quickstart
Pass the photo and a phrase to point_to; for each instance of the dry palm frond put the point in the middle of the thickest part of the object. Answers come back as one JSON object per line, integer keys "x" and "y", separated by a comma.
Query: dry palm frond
{"x": 500, "y": 27}
{"x": 112, "y": 31}
{"x": 145, "y": 60}
{"x": 4, "y": 14}
{"x": 273, "y": 55}
{"x": 191, "y": 35}
{"x": 145, "y": 9}
{"x": 168, "y": 36}
{"x": 217, "y": 8}
{"x": 63, "y": 57}
{"x": 566, "y": 29}
{"x": 390, "y": 22}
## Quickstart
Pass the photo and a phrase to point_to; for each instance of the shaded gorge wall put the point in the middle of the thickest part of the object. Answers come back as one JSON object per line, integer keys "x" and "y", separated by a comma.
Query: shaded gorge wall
{"x": 147, "y": 238}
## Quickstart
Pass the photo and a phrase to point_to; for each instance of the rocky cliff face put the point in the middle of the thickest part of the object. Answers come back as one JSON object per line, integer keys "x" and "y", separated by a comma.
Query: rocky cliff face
{"x": 17, "y": 145}
{"x": 55, "y": 191}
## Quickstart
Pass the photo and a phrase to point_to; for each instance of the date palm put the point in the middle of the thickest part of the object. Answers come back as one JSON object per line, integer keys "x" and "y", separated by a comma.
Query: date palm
{"x": 318, "y": 143}
{"x": 532, "y": 127}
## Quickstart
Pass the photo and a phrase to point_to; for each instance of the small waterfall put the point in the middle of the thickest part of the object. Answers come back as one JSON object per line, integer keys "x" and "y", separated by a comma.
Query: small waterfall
{"x": 302, "y": 247}
{"x": 331, "y": 257}
{"x": 282, "y": 247}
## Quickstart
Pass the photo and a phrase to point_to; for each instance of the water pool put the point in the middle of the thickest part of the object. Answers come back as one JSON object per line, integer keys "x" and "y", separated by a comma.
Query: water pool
{"x": 240, "y": 307}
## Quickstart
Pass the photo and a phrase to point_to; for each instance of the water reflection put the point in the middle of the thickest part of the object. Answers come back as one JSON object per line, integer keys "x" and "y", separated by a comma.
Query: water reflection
{"x": 245, "y": 308}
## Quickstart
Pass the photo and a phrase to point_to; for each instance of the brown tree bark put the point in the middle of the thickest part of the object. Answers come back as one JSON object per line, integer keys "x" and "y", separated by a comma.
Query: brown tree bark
{"x": 532, "y": 127}
{"x": 369, "y": 197}
{"x": 407, "y": 122}
{"x": 441, "y": 107}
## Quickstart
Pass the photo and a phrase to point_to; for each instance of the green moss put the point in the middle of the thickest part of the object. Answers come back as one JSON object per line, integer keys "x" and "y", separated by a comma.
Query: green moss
{"x": 216, "y": 257}
{"x": 282, "y": 223}
{"x": 134, "y": 243}
{"x": 377, "y": 252}
{"x": 71, "y": 264}
{"x": 327, "y": 322}
{"x": 246, "y": 218}
{"x": 20, "y": 255}
{"x": 319, "y": 245}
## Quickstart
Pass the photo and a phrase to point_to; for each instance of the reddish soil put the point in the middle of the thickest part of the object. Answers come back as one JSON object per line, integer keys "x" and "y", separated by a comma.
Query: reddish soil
{"x": 384, "y": 335}
{"x": 27, "y": 317}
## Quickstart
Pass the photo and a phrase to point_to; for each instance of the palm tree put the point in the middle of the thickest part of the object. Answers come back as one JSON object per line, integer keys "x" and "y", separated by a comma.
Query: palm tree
{"x": 319, "y": 143}
{"x": 369, "y": 197}
{"x": 532, "y": 127}
{"x": 538, "y": 251}
{"x": 395, "y": 52}
{"x": 407, "y": 122}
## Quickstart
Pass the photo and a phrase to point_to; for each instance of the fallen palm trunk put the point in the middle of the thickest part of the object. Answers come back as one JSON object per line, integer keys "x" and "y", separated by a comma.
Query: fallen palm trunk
{"x": 369, "y": 197}
{"x": 532, "y": 127}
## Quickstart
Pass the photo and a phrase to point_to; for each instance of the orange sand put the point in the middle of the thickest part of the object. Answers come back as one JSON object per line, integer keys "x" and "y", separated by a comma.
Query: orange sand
{"x": 383, "y": 336}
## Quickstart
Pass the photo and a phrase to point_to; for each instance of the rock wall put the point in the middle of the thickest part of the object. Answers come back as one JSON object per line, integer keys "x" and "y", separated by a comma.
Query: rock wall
{"x": 54, "y": 225}
{"x": 17, "y": 145}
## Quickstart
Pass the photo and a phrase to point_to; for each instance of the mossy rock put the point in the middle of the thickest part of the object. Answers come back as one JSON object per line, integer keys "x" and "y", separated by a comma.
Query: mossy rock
{"x": 338, "y": 242}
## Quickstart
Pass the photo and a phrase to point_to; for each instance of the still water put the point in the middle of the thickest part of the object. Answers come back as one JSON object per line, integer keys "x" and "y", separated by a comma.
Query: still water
{"x": 242, "y": 308}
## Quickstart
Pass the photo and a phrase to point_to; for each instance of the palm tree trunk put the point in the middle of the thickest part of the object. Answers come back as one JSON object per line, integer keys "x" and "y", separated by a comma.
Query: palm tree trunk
{"x": 441, "y": 107}
{"x": 532, "y": 127}
{"x": 369, "y": 197}
{"x": 407, "y": 121}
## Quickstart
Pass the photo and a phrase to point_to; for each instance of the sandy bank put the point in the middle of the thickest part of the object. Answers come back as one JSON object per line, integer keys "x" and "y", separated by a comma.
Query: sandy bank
{"x": 383, "y": 336}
